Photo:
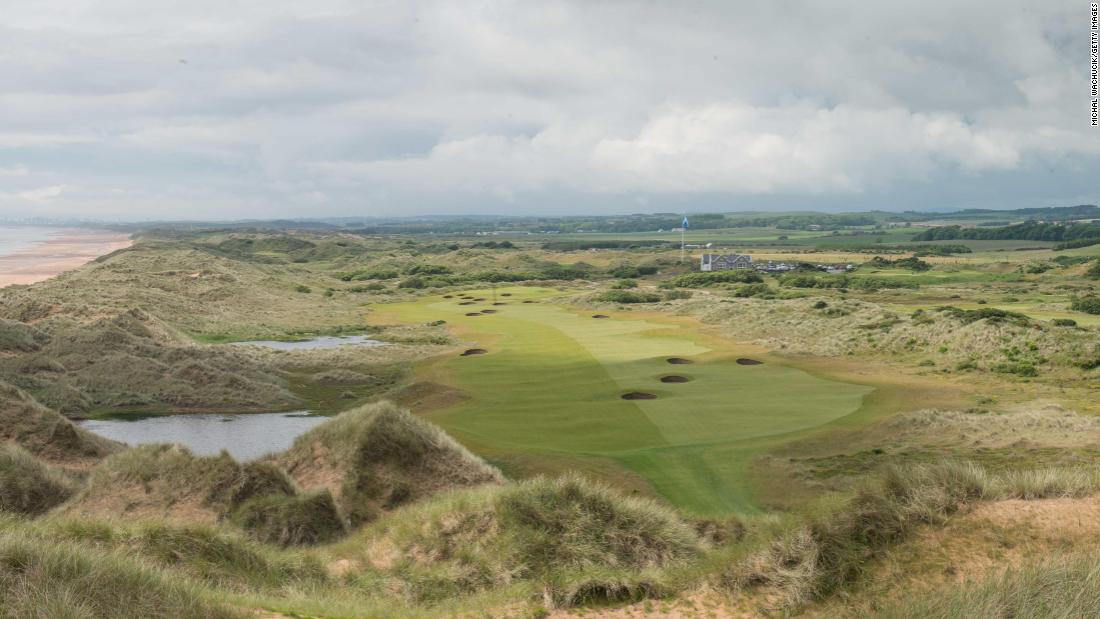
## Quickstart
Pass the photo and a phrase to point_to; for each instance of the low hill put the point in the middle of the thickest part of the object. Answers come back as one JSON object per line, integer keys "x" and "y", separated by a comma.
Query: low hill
{"x": 29, "y": 485}
{"x": 169, "y": 482}
{"x": 379, "y": 457}
{"x": 132, "y": 360}
{"x": 48, "y": 435}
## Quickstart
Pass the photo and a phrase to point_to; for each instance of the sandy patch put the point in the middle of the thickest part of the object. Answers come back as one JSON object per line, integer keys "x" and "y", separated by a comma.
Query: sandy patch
{"x": 51, "y": 257}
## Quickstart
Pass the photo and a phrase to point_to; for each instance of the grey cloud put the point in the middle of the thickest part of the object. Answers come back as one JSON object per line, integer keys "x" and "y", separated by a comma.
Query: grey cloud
{"x": 276, "y": 108}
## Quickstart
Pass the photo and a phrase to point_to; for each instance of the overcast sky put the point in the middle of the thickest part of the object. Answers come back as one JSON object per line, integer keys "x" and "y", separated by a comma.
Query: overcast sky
{"x": 145, "y": 109}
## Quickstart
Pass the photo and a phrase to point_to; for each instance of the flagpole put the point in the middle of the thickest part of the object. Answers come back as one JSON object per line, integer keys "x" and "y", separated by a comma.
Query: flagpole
{"x": 683, "y": 241}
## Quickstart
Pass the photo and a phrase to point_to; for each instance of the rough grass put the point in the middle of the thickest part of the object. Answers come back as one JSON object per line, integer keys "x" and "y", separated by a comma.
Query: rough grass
{"x": 979, "y": 339}
{"x": 572, "y": 539}
{"x": 378, "y": 457}
{"x": 1064, "y": 587}
{"x": 133, "y": 361}
{"x": 62, "y": 580}
{"x": 169, "y": 481}
{"x": 46, "y": 434}
{"x": 310, "y": 518}
{"x": 839, "y": 542}
{"x": 28, "y": 485}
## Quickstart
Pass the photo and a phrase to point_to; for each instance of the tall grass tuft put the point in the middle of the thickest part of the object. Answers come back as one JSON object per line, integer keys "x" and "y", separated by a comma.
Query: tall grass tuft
{"x": 28, "y": 485}
{"x": 1068, "y": 588}
{"x": 836, "y": 544}
{"x": 65, "y": 581}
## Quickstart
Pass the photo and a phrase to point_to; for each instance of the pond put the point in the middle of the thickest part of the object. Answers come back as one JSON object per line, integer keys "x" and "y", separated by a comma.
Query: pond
{"x": 327, "y": 341}
{"x": 244, "y": 436}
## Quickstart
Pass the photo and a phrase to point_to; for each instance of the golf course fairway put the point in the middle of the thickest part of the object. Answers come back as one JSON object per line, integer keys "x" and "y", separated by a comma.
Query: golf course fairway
{"x": 548, "y": 381}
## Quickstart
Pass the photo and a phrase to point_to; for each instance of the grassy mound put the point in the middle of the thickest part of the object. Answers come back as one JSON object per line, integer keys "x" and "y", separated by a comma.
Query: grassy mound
{"x": 28, "y": 485}
{"x": 378, "y": 457}
{"x": 835, "y": 545}
{"x": 46, "y": 579}
{"x": 46, "y": 434}
{"x": 310, "y": 518}
{"x": 168, "y": 481}
{"x": 131, "y": 361}
{"x": 573, "y": 540}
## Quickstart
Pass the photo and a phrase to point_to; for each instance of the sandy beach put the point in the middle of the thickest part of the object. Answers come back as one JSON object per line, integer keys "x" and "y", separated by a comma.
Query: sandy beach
{"x": 66, "y": 251}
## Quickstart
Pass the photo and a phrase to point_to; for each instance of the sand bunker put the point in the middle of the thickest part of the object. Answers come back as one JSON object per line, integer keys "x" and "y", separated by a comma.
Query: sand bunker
{"x": 638, "y": 395}
{"x": 500, "y": 303}
{"x": 473, "y": 351}
{"x": 488, "y": 311}
{"x": 675, "y": 378}
{"x": 600, "y": 316}
{"x": 448, "y": 296}
{"x": 479, "y": 299}
{"x": 465, "y": 302}
{"x": 679, "y": 361}
{"x": 505, "y": 294}
{"x": 473, "y": 314}
{"x": 530, "y": 301}
{"x": 744, "y": 361}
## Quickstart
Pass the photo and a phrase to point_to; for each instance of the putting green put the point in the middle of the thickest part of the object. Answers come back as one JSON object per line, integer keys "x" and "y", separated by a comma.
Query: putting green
{"x": 552, "y": 379}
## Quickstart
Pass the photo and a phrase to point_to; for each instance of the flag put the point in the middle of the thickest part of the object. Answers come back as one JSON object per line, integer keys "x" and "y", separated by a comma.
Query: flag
{"x": 685, "y": 221}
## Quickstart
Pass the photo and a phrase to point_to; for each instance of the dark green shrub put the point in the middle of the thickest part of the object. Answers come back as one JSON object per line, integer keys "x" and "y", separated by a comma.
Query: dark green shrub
{"x": 820, "y": 305}
{"x": 627, "y": 296}
{"x": 710, "y": 278}
{"x": 672, "y": 295}
{"x": 302, "y": 288}
{"x": 428, "y": 269}
{"x": 624, "y": 284}
{"x": 1089, "y": 304}
{"x": 752, "y": 290}
{"x": 1019, "y": 368}
{"x": 1064, "y": 322}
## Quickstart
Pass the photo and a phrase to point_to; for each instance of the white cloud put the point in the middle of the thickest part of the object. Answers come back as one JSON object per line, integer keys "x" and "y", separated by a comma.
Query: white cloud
{"x": 14, "y": 171}
{"x": 41, "y": 193}
{"x": 271, "y": 107}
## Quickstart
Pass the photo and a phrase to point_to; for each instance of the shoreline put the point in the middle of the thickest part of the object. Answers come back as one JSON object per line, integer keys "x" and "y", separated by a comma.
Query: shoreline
{"x": 68, "y": 250}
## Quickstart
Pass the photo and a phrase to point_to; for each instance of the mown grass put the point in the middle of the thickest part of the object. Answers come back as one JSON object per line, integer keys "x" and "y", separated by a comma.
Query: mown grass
{"x": 551, "y": 383}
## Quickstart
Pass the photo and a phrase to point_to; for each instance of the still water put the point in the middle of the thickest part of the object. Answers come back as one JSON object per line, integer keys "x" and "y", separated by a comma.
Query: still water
{"x": 244, "y": 436}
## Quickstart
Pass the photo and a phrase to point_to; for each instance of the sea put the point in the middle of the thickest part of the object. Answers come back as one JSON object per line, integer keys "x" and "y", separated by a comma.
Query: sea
{"x": 17, "y": 238}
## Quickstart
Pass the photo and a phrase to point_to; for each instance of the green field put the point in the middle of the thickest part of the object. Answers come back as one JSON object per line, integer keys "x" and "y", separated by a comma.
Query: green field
{"x": 552, "y": 380}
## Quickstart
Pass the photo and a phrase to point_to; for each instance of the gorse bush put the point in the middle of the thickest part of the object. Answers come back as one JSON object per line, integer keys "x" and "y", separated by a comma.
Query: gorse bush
{"x": 711, "y": 278}
{"x": 627, "y": 296}
{"x": 912, "y": 263}
{"x": 795, "y": 280}
{"x": 753, "y": 290}
{"x": 988, "y": 314}
{"x": 1089, "y": 304}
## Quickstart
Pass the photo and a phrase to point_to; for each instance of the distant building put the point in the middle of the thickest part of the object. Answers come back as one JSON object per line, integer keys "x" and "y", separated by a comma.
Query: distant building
{"x": 724, "y": 262}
